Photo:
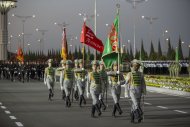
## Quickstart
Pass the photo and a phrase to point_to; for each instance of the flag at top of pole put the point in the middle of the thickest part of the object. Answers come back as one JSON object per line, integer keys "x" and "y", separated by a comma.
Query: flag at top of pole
{"x": 64, "y": 50}
{"x": 20, "y": 55}
{"x": 111, "y": 48}
{"x": 89, "y": 38}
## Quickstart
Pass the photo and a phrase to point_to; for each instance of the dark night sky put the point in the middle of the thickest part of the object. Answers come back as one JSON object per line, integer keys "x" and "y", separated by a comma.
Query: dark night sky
{"x": 173, "y": 15}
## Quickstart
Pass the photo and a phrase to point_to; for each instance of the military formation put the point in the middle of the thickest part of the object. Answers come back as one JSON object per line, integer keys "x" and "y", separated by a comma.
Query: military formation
{"x": 96, "y": 82}
{"x": 77, "y": 82}
{"x": 22, "y": 71}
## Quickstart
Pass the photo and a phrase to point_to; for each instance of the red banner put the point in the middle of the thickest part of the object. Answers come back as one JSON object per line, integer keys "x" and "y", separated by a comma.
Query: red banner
{"x": 89, "y": 38}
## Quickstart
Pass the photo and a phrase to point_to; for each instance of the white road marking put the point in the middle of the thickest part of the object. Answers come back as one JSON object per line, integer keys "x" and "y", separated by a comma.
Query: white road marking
{"x": 180, "y": 111}
{"x": 19, "y": 124}
{"x": 7, "y": 112}
{"x": 3, "y": 107}
{"x": 146, "y": 103}
{"x": 13, "y": 117}
{"x": 0, "y": 103}
{"x": 162, "y": 107}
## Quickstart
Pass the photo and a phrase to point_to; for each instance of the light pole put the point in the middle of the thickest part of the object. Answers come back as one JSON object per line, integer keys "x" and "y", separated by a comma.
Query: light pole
{"x": 23, "y": 19}
{"x": 61, "y": 25}
{"x": 42, "y": 39}
{"x": 134, "y": 4}
{"x": 5, "y": 6}
{"x": 150, "y": 20}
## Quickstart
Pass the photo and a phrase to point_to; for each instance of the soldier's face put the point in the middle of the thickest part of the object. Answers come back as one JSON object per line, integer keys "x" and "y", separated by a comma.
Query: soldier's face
{"x": 94, "y": 67}
{"x": 101, "y": 66}
{"x": 115, "y": 67}
{"x": 136, "y": 66}
{"x": 80, "y": 65}
{"x": 67, "y": 66}
{"x": 49, "y": 64}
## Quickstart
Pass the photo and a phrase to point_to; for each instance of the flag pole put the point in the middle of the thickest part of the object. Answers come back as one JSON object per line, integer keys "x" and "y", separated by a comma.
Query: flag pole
{"x": 95, "y": 16}
{"x": 118, "y": 46}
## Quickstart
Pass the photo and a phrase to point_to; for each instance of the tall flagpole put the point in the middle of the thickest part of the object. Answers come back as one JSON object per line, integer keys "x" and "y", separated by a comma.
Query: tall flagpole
{"x": 95, "y": 15}
{"x": 118, "y": 46}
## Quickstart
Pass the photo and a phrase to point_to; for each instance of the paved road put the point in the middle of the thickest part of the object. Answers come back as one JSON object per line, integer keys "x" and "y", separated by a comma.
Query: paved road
{"x": 27, "y": 105}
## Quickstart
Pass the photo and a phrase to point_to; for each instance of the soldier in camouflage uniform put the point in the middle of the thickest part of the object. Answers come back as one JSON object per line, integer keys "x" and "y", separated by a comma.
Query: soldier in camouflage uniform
{"x": 75, "y": 89}
{"x": 49, "y": 78}
{"x": 68, "y": 79}
{"x": 104, "y": 84}
{"x": 136, "y": 87}
{"x": 81, "y": 78}
{"x": 61, "y": 78}
{"x": 94, "y": 88}
{"x": 116, "y": 79}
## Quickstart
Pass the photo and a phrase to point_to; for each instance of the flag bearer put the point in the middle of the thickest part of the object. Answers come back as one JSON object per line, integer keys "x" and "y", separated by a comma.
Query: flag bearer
{"x": 75, "y": 89}
{"x": 116, "y": 79}
{"x": 49, "y": 78}
{"x": 94, "y": 88}
{"x": 136, "y": 88}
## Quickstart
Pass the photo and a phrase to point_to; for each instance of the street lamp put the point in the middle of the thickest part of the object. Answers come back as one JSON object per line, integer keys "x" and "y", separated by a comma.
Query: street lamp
{"x": 134, "y": 4}
{"x": 23, "y": 19}
{"x": 61, "y": 25}
{"x": 42, "y": 39}
{"x": 5, "y": 6}
{"x": 150, "y": 20}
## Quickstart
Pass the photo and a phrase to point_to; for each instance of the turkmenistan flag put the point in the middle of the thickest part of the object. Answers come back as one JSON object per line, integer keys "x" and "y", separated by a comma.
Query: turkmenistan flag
{"x": 177, "y": 55}
{"x": 64, "y": 49}
{"x": 110, "y": 53}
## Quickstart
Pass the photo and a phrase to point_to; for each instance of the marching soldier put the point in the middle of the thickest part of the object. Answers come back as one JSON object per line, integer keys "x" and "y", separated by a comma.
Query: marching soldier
{"x": 94, "y": 88}
{"x": 136, "y": 87}
{"x": 81, "y": 77}
{"x": 75, "y": 89}
{"x": 104, "y": 84}
{"x": 68, "y": 78}
{"x": 62, "y": 78}
{"x": 116, "y": 79}
{"x": 49, "y": 78}
{"x": 21, "y": 71}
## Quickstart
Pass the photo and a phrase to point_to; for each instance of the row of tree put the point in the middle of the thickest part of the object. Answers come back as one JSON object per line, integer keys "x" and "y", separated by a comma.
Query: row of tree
{"x": 127, "y": 53}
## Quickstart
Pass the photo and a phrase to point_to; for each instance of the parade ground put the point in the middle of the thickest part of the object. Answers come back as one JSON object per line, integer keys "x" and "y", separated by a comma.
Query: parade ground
{"x": 26, "y": 104}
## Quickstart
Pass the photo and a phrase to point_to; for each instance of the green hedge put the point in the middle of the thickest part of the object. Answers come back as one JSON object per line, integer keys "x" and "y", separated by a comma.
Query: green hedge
{"x": 180, "y": 83}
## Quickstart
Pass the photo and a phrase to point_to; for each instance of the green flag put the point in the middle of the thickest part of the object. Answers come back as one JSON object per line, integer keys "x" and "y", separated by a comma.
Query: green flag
{"x": 177, "y": 55}
{"x": 110, "y": 53}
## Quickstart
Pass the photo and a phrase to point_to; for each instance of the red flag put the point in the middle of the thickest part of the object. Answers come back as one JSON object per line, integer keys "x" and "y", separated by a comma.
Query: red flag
{"x": 89, "y": 38}
{"x": 20, "y": 55}
{"x": 64, "y": 50}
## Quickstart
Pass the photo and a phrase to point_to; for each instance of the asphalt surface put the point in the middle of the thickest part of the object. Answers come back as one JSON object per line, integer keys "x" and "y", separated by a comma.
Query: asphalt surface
{"x": 26, "y": 104}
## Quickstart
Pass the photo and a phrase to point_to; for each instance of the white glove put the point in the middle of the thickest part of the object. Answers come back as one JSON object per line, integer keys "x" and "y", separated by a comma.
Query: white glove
{"x": 82, "y": 68}
{"x": 126, "y": 95}
{"x": 117, "y": 72}
{"x": 118, "y": 82}
{"x": 88, "y": 94}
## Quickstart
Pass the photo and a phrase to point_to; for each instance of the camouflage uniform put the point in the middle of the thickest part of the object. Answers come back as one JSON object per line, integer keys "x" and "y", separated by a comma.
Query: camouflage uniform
{"x": 136, "y": 87}
{"x": 49, "y": 78}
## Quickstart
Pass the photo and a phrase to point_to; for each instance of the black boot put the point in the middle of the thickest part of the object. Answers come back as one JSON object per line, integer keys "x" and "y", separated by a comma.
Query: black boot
{"x": 76, "y": 95}
{"x": 69, "y": 101}
{"x": 119, "y": 108}
{"x": 84, "y": 101}
{"x": 93, "y": 111}
{"x": 132, "y": 117}
{"x": 114, "y": 110}
{"x": 104, "y": 106}
{"x": 98, "y": 110}
{"x": 63, "y": 95}
{"x": 50, "y": 91}
{"x": 80, "y": 102}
